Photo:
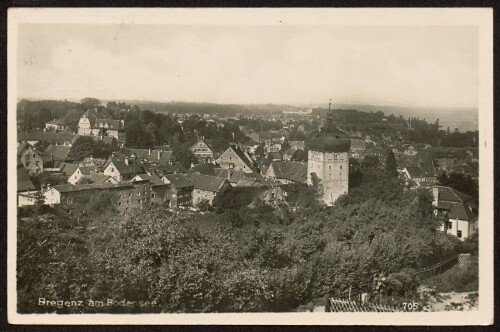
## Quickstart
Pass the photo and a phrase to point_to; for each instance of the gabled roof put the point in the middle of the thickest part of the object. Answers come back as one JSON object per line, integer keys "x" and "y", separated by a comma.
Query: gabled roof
{"x": 153, "y": 179}
{"x": 240, "y": 154}
{"x": 174, "y": 168}
{"x": 64, "y": 188}
{"x": 203, "y": 168}
{"x": 207, "y": 142}
{"x": 178, "y": 180}
{"x": 56, "y": 122}
{"x": 290, "y": 170}
{"x": 414, "y": 171}
{"x": 133, "y": 167}
{"x": 45, "y": 136}
{"x": 21, "y": 147}
{"x": 249, "y": 182}
{"x": 206, "y": 182}
{"x": 461, "y": 206}
{"x": 56, "y": 153}
{"x": 163, "y": 157}
{"x": 87, "y": 170}
{"x": 97, "y": 177}
{"x": 23, "y": 180}
{"x": 428, "y": 168}
{"x": 95, "y": 161}
{"x": 109, "y": 124}
{"x": 67, "y": 168}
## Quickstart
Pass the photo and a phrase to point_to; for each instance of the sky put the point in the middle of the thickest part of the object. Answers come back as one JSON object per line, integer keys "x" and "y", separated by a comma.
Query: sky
{"x": 422, "y": 66}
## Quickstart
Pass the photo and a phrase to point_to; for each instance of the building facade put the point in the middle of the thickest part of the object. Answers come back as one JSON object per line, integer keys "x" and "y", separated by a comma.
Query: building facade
{"x": 328, "y": 161}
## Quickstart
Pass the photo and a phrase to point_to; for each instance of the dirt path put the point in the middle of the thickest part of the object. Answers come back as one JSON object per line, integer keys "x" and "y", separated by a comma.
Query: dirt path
{"x": 454, "y": 301}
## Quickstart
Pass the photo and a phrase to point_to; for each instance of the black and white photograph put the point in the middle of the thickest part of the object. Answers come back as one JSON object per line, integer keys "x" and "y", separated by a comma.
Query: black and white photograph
{"x": 299, "y": 164}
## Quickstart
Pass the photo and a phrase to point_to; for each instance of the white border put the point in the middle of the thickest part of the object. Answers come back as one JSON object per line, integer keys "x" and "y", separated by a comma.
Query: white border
{"x": 481, "y": 17}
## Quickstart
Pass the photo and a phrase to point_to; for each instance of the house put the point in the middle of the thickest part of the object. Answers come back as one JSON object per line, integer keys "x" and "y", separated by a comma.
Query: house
{"x": 202, "y": 150}
{"x": 410, "y": 151}
{"x": 159, "y": 189}
{"x": 458, "y": 211}
{"x": 358, "y": 148}
{"x": 237, "y": 178}
{"x": 159, "y": 156}
{"x": 274, "y": 156}
{"x": 414, "y": 173}
{"x": 174, "y": 168}
{"x": 96, "y": 178}
{"x": 234, "y": 158}
{"x": 207, "y": 187}
{"x": 129, "y": 195}
{"x": 97, "y": 122}
{"x": 288, "y": 154}
{"x": 56, "y": 125}
{"x": 91, "y": 161}
{"x": 297, "y": 145}
{"x": 81, "y": 172}
{"x": 122, "y": 168}
{"x": 273, "y": 147}
{"x": 26, "y": 191}
{"x": 55, "y": 153}
{"x": 254, "y": 136}
{"x": 446, "y": 163}
{"x": 203, "y": 168}
{"x": 180, "y": 192}
{"x": 46, "y": 136}
{"x": 67, "y": 168}
{"x": 287, "y": 172}
{"x": 30, "y": 158}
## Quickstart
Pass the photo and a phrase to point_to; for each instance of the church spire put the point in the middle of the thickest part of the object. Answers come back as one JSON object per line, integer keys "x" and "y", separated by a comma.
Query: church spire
{"x": 329, "y": 115}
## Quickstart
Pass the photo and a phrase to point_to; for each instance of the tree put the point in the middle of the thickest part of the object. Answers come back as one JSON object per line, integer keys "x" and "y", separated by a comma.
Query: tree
{"x": 300, "y": 155}
{"x": 84, "y": 146}
{"x": 259, "y": 151}
{"x": 204, "y": 205}
{"x": 460, "y": 182}
{"x": 90, "y": 102}
{"x": 391, "y": 166}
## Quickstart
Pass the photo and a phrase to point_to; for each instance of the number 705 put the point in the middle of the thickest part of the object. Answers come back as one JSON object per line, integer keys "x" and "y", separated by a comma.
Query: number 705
{"x": 410, "y": 306}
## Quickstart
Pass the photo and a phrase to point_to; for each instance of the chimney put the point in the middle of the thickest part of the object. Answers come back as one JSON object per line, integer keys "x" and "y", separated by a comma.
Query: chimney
{"x": 126, "y": 161}
{"x": 159, "y": 154}
{"x": 149, "y": 151}
{"x": 229, "y": 175}
{"x": 112, "y": 154}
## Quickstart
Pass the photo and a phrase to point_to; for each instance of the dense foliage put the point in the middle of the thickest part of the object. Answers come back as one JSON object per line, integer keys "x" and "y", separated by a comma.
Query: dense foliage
{"x": 250, "y": 259}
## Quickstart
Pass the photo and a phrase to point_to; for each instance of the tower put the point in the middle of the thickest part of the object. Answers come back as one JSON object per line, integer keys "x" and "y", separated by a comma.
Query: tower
{"x": 328, "y": 161}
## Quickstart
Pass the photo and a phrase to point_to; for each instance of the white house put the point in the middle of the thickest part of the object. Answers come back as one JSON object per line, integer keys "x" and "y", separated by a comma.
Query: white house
{"x": 458, "y": 210}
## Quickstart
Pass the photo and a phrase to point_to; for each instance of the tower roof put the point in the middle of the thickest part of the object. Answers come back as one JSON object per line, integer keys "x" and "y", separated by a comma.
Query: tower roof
{"x": 328, "y": 138}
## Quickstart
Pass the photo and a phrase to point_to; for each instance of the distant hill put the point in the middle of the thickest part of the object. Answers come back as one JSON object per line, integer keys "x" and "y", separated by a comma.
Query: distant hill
{"x": 225, "y": 109}
{"x": 463, "y": 118}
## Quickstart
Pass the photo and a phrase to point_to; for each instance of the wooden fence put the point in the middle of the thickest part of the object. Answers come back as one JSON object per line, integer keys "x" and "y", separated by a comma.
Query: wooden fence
{"x": 339, "y": 305}
{"x": 354, "y": 295}
{"x": 436, "y": 269}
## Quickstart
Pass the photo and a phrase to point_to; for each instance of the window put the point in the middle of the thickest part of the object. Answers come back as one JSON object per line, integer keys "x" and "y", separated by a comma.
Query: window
{"x": 459, "y": 234}
{"x": 450, "y": 226}
{"x": 153, "y": 195}
{"x": 340, "y": 166}
{"x": 335, "y": 157}
{"x": 138, "y": 201}
{"x": 112, "y": 170}
{"x": 119, "y": 203}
